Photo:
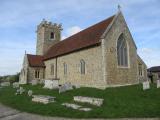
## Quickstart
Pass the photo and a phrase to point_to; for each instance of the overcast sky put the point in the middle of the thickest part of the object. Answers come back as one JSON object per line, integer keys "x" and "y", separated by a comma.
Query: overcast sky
{"x": 19, "y": 18}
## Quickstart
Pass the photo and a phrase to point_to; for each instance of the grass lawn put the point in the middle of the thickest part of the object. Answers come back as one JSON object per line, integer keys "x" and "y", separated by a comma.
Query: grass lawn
{"x": 122, "y": 102}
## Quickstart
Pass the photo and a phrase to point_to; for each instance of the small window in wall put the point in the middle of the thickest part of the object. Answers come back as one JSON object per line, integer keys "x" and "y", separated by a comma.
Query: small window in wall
{"x": 65, "y": 68}
{"x": 52, "y": 69}
{"x": 140, "y": 69}
{"x": 82, "y": 66}
{"x": 52, "y": 35}
{"x": 37, "y": 73}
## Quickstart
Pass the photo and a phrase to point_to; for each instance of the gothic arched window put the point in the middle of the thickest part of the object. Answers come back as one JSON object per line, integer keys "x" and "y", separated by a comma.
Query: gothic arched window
{"x": 37, "y": 73}
{"x": 122, "y": 51}
{"x": 82, "y": 66}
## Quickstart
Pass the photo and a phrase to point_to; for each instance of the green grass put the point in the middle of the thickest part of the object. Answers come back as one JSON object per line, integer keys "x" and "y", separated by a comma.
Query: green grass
{"x": 121, "y": 102}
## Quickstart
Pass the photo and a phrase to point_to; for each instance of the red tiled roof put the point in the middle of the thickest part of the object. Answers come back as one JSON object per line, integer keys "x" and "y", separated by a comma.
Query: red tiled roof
{"x": 35, "y": 60}
{"x": 85, "y": 38}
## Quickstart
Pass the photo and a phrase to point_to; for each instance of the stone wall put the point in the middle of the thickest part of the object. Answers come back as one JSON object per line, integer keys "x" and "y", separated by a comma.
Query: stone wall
{"x": 142, "y": 77}
{"x": 31, "y": 73}
{"x": 93, "y": 60}
{"x": 117, "y": 76}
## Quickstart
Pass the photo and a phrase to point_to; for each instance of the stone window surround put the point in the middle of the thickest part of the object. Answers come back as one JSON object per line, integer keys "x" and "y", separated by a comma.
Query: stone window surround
{"x": 52, "y": 69}
{"x": 65, "y": 68}
{"x": 128, "y": 58}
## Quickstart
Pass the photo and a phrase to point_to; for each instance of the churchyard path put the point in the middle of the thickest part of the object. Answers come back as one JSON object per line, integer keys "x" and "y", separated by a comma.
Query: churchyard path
{"x": 7, "y": 113}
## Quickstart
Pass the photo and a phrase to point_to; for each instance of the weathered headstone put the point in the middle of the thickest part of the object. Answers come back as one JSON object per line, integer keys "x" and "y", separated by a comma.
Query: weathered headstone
{"x": 5, "y": 84}
{"x": 30, "y": 92}
{"x": 51, "y": 84}
{"x": 15, "y": 85}
{"x": 158, "y": 83}
{"x": 43, "y": 99}
{"x": 90, "y": 100}
{"x": 65, "y": 87}
{"x": 21, "y": 90}
{"x": 146, "y": 85}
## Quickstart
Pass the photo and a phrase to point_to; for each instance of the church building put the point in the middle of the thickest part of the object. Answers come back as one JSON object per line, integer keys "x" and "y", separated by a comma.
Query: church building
{"x": 102, "y": 55}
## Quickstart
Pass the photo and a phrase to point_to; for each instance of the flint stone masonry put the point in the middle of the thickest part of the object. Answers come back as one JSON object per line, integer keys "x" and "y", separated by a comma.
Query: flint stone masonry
{"x": 65, "y": 87}
{"x": 43, "y": 99}
{"x": 146, "y": 85}
{"x": 5, "y": 84}
{"x": 51, "y": 84}
{"x": 158, "y": 83}
{"x": 90, "y": 100}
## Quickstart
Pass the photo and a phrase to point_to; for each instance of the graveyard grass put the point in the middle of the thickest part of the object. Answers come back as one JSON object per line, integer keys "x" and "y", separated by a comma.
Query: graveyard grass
{"x": 121, "y": 102}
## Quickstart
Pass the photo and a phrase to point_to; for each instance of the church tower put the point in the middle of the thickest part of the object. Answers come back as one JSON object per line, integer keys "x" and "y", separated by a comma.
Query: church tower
{"x": 48, "y": 34}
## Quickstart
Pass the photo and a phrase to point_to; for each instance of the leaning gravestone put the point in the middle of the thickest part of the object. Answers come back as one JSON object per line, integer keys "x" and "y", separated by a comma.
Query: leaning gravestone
{"x": 65, "y": 87}
{"x": 146, "y": 85}
{"x": 158, "y": 83}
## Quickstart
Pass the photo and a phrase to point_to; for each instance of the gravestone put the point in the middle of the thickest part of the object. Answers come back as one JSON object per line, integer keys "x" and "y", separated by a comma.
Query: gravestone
{"x": 43, "y": 99}
{"x": 30, "y": 92}
{"x": 90, "y": 100}
{"x": 71, "y": 105}
{"x": 146, "y": 85}
{"x": 51, "y": 84}
{"x": 5, "y": 84}
{"x": 158, "y": 83}
{"x": 85, "y": 109}
{"x": 15, "y": 85}
{"x": 65, "y": 87}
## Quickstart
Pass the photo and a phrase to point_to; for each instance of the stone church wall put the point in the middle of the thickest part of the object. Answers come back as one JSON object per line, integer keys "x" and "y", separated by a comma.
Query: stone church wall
{"x": 93, "y": 60}
{"x": 117, "y": 76}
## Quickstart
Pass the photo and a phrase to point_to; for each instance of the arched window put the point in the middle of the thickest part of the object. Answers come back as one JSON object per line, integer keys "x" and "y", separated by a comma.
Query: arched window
{"x": 122, "y": 51}
{"x": 65, "y": 68}
{"x": 82, "y": 66}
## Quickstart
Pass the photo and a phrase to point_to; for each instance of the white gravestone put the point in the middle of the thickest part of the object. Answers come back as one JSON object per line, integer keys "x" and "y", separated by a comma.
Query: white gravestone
{"x": 146, "y": 85}
{"x": 65, "y": 87}
{"x": 158, "y": 83}
{"x": 51, "y": 84}
{"x": 15, "y": 85}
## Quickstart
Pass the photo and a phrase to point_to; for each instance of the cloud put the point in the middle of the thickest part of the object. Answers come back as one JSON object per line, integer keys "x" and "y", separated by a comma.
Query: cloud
{"x": 73, "y": 30}
{"x": 150, "y": 56}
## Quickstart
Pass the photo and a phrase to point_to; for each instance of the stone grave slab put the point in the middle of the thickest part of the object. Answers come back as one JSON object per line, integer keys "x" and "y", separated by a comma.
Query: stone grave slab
{"x": 43, "y": 99}
{"x": 71, "y": 105}
{"x": 146, "y": 85}
{"x": 90, "y": 100}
